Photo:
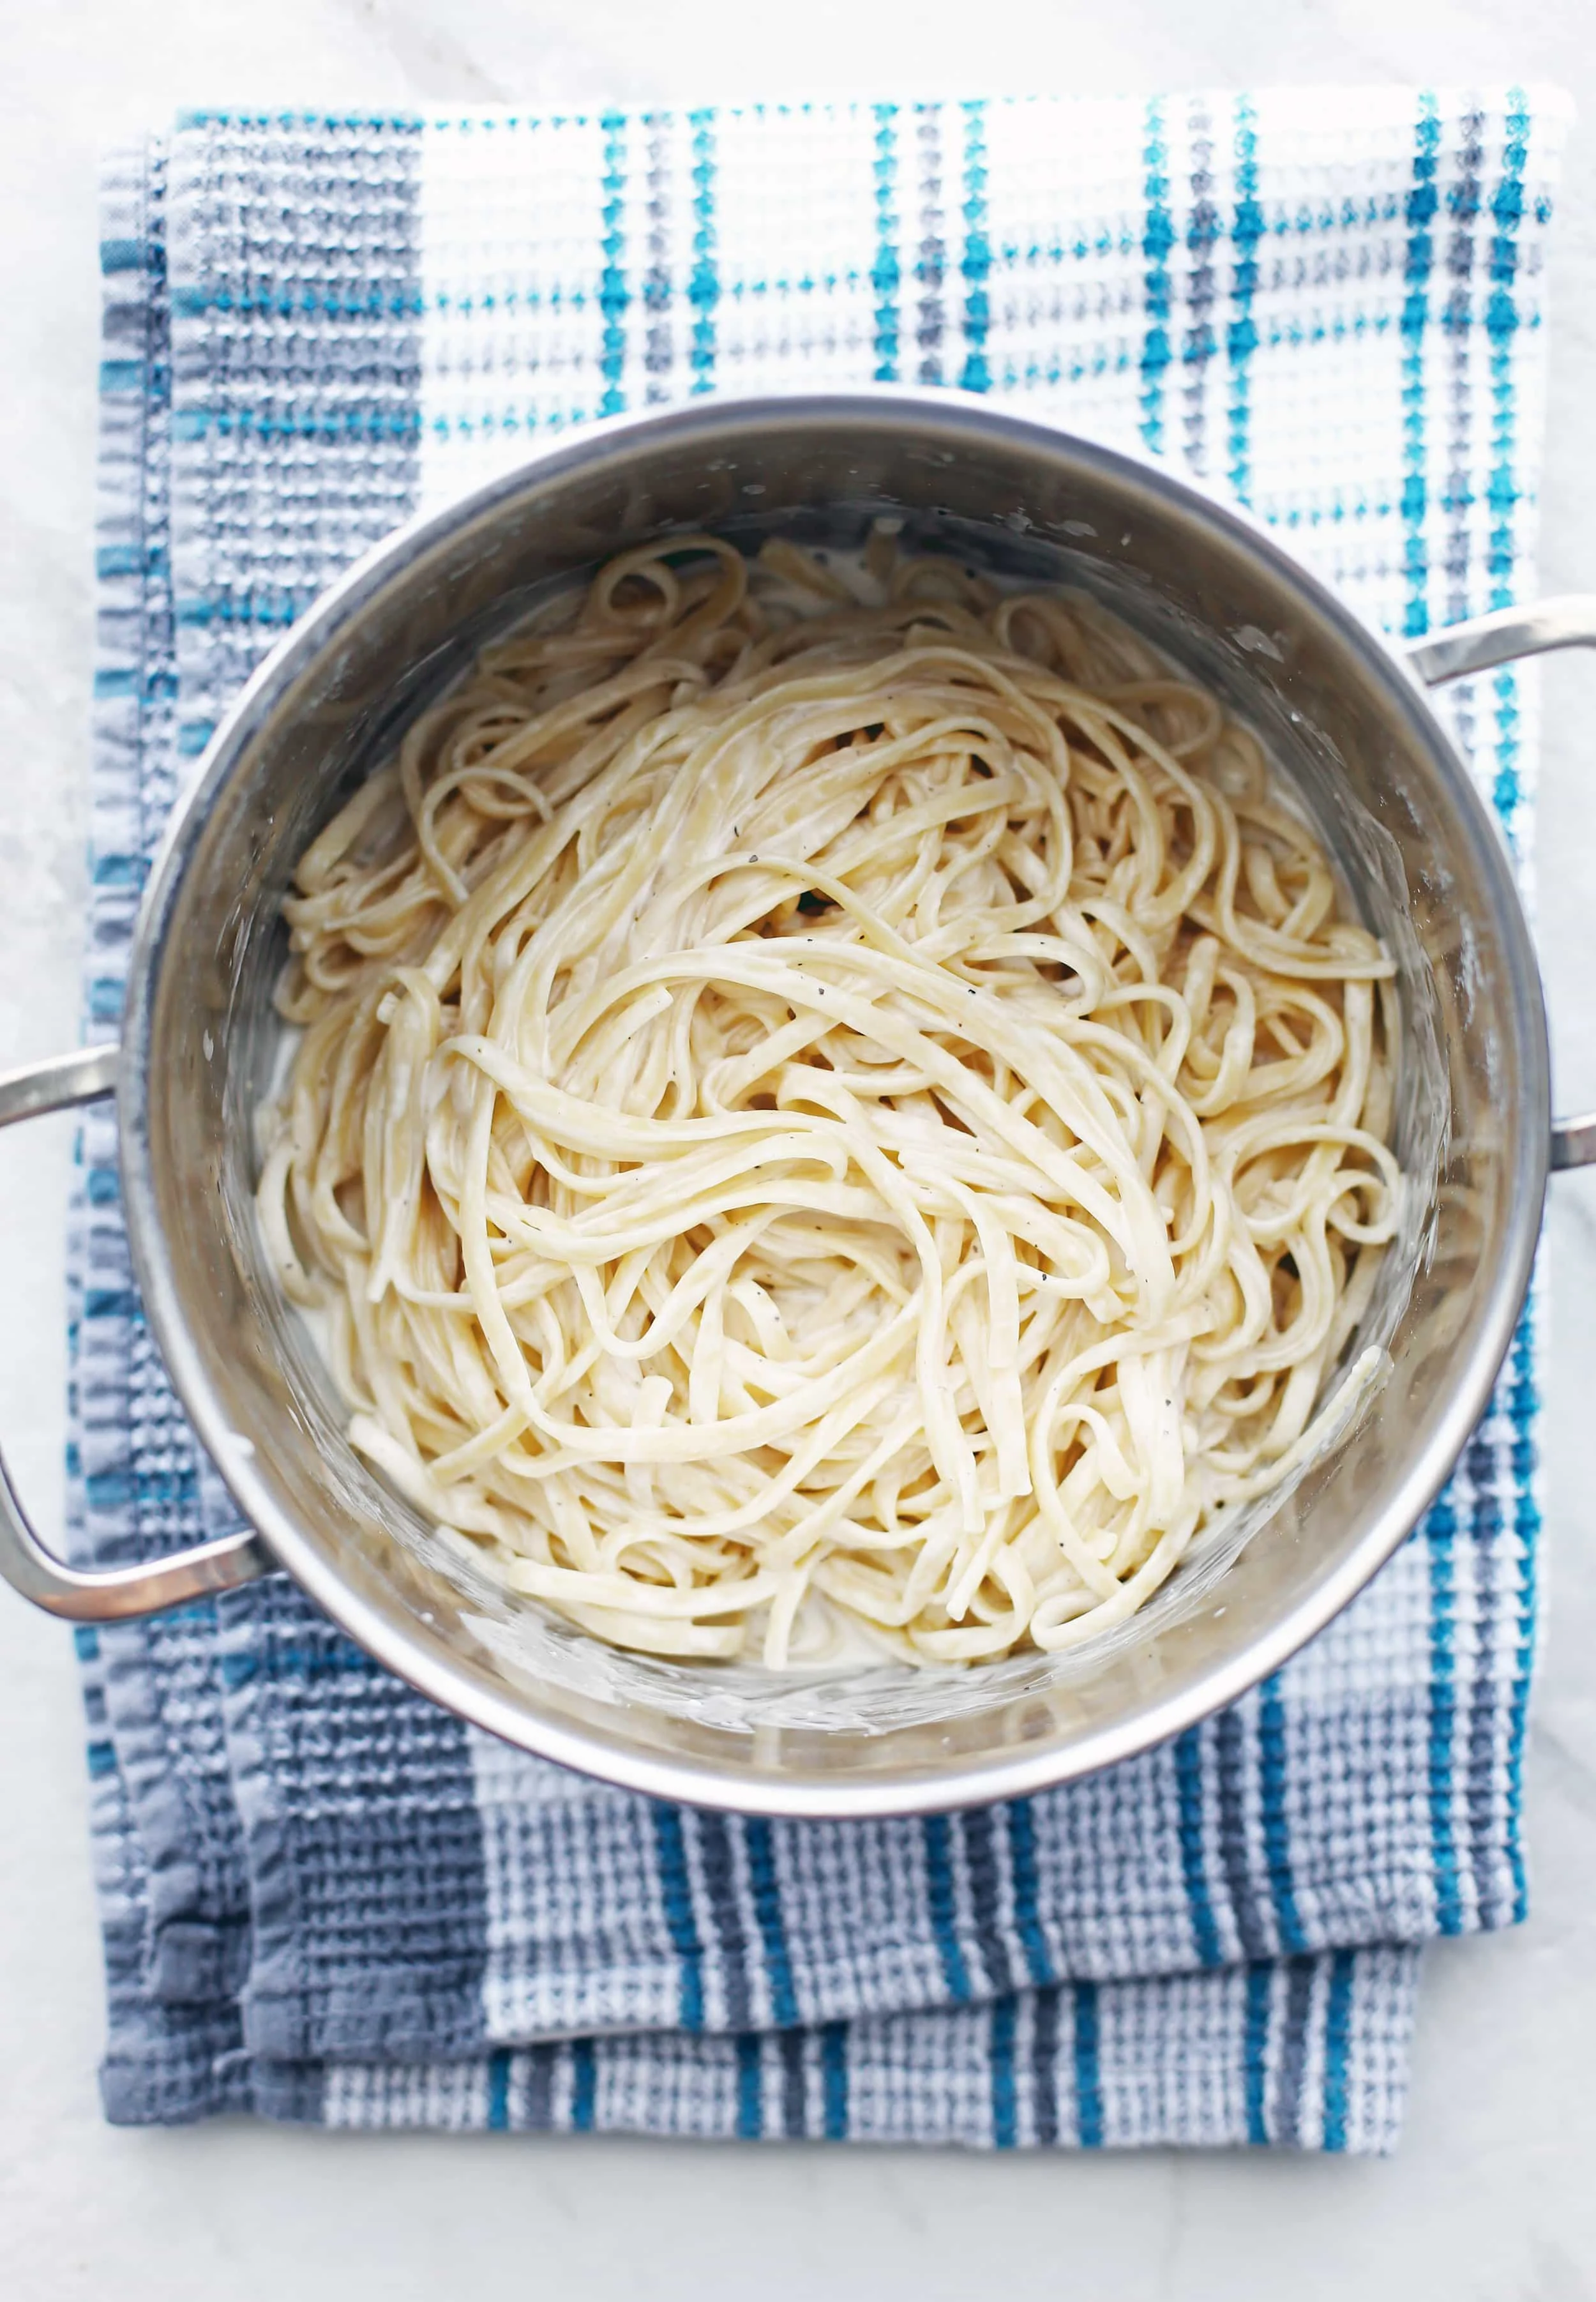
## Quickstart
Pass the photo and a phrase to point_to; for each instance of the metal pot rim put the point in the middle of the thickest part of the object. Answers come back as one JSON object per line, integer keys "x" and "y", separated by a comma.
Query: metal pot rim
{"x": 426, "y": 1663}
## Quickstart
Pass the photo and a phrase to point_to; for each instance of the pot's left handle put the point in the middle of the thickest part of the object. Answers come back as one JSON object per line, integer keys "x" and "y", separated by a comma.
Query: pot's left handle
{"x": 1481, "y": 644}
{"x": 102, "y": 1595}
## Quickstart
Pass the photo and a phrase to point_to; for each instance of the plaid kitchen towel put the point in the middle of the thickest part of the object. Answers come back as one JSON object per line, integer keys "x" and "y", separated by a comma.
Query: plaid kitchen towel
{"x": 325, "y": 1900}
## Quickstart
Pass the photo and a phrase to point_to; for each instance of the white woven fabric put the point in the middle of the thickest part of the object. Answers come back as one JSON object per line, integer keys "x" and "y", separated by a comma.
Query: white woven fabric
{"x": 322, "y": 1898}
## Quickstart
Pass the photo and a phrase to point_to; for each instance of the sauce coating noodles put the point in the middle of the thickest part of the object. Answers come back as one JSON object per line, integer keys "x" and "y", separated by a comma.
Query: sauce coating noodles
{"x": 835, "y": 1103}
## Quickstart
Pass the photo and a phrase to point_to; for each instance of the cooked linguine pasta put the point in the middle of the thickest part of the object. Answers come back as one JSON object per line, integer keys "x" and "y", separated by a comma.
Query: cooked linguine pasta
{"x": 835, "y": 1102}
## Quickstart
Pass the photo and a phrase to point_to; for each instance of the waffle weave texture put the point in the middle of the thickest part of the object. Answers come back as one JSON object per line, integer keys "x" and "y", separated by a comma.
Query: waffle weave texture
{"x": 325, "y": 1900}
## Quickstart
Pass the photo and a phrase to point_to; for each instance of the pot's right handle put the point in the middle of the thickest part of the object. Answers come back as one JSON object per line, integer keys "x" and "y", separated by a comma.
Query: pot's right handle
{"x": 1481, "y": 644}
{"x": 101, "y": 1594}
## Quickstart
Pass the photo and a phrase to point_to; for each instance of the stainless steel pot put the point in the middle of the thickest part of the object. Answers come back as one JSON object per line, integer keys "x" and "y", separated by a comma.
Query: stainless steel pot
{"x": 1348, "y": 719}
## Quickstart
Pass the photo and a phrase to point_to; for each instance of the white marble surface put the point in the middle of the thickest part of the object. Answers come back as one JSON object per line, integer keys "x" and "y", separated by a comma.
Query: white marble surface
{"x": 1492, "y": 2196}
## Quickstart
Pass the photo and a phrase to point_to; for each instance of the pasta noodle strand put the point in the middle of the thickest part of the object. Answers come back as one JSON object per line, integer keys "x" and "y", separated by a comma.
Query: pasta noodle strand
{"x": 835, "y": 1111}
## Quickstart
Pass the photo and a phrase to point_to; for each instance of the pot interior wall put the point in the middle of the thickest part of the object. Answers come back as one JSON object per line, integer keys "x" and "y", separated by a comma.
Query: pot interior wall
{"x": 1371, "y": 769}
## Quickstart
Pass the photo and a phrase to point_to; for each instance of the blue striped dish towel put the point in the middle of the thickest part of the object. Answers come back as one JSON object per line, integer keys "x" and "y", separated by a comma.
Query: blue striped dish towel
{"x": 324, "y": 1900}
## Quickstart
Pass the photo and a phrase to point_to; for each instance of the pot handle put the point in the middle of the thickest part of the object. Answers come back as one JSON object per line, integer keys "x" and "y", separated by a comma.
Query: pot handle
{"x": 1481, "y": 644}
{"x": 103, "y": 1594}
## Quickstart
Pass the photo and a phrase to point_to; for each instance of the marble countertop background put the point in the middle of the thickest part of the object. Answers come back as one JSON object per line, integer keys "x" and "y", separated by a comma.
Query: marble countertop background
{"x": 1492, "y": 2196}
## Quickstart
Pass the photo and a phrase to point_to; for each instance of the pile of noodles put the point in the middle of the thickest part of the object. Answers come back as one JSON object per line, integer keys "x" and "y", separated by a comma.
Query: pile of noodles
{"x": 834, "y": 1104}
